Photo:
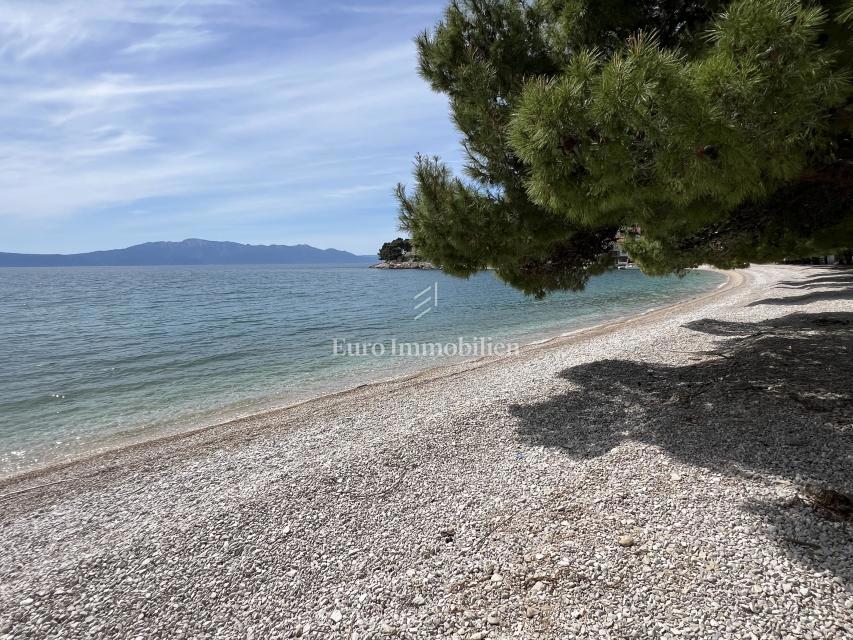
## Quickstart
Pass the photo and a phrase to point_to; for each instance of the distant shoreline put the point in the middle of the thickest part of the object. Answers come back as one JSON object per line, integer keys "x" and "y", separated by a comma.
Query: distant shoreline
{"x": 405, "y": 265}
{"x": 189, "y": 252}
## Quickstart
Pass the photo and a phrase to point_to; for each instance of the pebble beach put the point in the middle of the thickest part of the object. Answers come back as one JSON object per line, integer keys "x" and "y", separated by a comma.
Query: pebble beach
{"x": 678, "y": 474}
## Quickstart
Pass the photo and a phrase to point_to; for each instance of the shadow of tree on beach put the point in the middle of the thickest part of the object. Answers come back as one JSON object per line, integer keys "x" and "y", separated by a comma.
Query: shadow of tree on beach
{"x": 835, "y": 284}
{"x": 774, "y": 398}
{"x": 835, "y": 276}
{"x": 807, "y": 298}
{"x": 838, "y": 285}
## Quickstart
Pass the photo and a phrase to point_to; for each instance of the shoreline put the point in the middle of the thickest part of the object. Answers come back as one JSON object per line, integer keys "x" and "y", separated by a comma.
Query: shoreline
{"x": 734, "y": 279}
{"x": 655, "y": 476}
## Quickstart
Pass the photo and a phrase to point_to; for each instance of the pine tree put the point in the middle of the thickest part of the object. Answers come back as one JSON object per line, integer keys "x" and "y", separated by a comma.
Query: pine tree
{"x": 721, "y": 129}
{"x": 395, "y": 250}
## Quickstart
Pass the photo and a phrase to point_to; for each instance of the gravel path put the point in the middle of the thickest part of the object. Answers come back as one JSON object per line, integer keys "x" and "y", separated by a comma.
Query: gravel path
{"x": 659, "y": 477}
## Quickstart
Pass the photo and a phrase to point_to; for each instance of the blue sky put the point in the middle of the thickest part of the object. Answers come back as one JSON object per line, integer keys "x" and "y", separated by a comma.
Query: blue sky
{"x": 259, "y": 121}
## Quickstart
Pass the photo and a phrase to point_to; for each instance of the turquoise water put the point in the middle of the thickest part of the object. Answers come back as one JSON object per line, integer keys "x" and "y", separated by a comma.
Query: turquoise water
{"x": 90, "y": 357}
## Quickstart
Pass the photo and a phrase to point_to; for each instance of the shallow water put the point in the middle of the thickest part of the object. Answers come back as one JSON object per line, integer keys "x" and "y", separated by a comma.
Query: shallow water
{"x": 91, "y": 357}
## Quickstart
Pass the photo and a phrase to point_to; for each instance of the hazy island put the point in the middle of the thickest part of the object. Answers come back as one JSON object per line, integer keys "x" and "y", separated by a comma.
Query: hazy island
{"x": 192, "y": 251}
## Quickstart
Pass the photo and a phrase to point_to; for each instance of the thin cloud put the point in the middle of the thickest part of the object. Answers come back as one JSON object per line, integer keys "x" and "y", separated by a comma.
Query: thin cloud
{"x": 114, "y": 107}
{"x": 404, "y": 9}
{"x": 174, "y": 40}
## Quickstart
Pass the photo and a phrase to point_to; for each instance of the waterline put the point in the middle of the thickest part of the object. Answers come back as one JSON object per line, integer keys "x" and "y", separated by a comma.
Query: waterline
{"x": 93, "y": 357}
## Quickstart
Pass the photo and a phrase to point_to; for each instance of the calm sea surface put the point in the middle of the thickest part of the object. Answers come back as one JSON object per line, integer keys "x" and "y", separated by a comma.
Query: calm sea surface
{"x": 93, "y": 357}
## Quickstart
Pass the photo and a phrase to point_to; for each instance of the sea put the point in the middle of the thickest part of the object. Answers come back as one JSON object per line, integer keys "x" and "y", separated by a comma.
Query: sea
{"x": 94, "y": 358}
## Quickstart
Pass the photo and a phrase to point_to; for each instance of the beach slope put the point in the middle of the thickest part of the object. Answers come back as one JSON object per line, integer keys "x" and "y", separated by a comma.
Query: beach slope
{"x": 661, "y": 475}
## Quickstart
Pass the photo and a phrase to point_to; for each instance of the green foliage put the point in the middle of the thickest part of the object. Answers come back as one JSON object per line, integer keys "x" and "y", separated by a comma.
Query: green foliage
{"x": 467, "y": 230}
{"x": 395, "y": 250}
{"x": 726, "y": 139}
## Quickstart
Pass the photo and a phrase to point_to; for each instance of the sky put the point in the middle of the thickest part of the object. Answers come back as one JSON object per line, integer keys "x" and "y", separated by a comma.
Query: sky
{"x": 256, "y": 121}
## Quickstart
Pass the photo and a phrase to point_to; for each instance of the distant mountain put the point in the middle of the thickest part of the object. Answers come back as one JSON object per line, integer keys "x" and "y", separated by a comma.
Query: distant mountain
{"x": 187, "y": 252}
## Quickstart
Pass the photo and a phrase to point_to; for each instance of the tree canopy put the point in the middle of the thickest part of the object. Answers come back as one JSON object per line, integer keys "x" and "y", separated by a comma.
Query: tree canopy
{"x": 721, "y": 129}
{"x": 395, "y": 250}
